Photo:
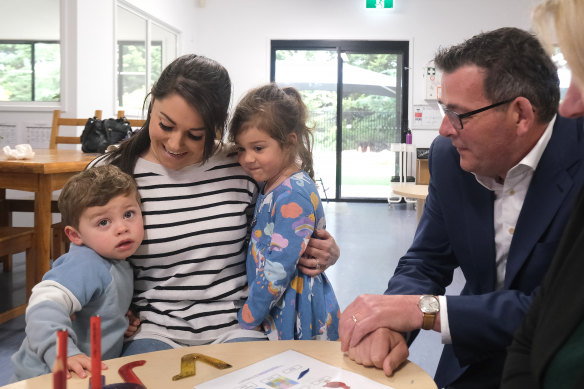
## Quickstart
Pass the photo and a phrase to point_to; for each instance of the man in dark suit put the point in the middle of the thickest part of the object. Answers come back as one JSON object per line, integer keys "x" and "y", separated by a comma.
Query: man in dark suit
{"x": 503, "y": 178}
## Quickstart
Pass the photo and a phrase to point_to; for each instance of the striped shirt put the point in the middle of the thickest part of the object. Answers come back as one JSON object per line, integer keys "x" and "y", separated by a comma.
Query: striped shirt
{"x": 189, "y": 273}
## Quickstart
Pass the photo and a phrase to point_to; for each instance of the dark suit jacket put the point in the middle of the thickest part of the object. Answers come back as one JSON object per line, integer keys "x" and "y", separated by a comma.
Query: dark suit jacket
{"x": 556, "y": 312}
{"x": 457, "y": 229}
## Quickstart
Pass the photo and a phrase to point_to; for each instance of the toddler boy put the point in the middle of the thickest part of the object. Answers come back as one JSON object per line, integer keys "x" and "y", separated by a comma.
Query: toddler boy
{"x": 100, "y": 208}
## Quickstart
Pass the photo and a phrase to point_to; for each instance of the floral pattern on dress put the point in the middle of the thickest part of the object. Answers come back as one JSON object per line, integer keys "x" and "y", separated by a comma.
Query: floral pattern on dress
{"x": 285, "y": 302}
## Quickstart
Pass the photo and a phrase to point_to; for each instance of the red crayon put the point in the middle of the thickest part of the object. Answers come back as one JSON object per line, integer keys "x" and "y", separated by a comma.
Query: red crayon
{"x": 62, "y": 336}
{"x": 59, "y": 375}
{"x": 60, "y": 367}
{"x": 95, "y": 352}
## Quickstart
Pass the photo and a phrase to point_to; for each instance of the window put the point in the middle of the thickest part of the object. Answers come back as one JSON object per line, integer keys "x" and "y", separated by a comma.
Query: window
{"x": 144, "y": 47}
{"x": 30, "y": 54}
{"x": 132, "y": 70}
{"x": 29, "y": 71}
{"x": 356, "y": 93}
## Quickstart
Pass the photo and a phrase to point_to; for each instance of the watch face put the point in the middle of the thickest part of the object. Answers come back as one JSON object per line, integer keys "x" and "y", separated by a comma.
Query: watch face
{"x": 429, "y": 304}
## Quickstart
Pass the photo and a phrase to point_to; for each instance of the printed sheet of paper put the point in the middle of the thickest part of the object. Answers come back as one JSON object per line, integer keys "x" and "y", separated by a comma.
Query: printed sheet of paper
{"x": 427, "y": 117}
{"x": 291, "y": 370}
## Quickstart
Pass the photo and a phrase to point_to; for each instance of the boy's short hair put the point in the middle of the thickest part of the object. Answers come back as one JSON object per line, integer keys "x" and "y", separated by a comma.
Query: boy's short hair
{"x": 93, "y": 187}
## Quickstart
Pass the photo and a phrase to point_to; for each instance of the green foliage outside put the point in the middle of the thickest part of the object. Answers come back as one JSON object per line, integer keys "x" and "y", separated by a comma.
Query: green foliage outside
{"x": 17, "y": 71}
{"x": 47, "y": 72}
{"x": 368, "y": 123}
{"x": 133, "y": 73}
{"x": 368, "y": 119}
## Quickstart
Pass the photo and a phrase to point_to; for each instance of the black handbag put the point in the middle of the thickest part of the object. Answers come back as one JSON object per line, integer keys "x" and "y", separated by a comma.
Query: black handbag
{"x": 99, "y": 134}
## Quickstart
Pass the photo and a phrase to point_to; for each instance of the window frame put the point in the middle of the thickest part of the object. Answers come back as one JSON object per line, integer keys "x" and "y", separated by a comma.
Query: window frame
{"x": 120, "y": 65}
{"x": 48, "y": 106}
{"x": 32, "y": 43}
{"x": 150, "y": 21}
{"x": 401, "y": 47}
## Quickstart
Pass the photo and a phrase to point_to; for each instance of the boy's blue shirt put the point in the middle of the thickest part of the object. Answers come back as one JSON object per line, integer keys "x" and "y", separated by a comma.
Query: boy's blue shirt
{"x": 83, "y": 284}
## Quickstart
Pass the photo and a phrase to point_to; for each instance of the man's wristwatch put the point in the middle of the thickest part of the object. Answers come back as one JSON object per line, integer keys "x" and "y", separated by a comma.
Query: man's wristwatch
{"x": 430, "y": 306}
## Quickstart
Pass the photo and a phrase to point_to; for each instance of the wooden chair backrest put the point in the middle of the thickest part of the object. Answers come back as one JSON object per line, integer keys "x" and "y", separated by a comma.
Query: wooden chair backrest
{"x": 135, "y": 123}
{"x": 58, "y": 121}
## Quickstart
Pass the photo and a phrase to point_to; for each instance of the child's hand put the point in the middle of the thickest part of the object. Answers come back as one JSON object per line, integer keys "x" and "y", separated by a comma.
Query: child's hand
{"x": 133, "y": 324}
{"x": 79, "y": 364}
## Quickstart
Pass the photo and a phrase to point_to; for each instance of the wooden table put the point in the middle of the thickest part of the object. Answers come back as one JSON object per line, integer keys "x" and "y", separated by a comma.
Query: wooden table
{"x": 414, "y": 191}
{"x": 161, "y": 366}
{"x": 46, "y": 172}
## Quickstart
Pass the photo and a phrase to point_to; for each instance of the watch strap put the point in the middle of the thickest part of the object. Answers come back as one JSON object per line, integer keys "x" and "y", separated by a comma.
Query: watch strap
{"x": 428, "y": 321}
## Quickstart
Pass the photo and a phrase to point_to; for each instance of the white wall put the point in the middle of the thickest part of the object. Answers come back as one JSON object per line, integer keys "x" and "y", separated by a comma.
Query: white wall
{"x": 237, "y": 33}
{"x": 88, "y": 42}
{"x": 43, "y": 24}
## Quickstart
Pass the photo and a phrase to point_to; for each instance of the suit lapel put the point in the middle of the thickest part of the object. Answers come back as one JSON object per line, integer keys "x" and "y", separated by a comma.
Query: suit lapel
{"x": 479, "y": 222}
{"x": 470, "y": 224}
{"x": 549, "y": 187}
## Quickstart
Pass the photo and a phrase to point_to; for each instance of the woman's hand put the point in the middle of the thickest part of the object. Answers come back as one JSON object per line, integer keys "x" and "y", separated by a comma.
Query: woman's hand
{"x": 133, "y": 324}
{"x": 321, "y": 253}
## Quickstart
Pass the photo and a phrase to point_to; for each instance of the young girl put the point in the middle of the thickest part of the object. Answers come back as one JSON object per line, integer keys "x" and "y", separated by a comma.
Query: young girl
{"x": 274, "y": 146}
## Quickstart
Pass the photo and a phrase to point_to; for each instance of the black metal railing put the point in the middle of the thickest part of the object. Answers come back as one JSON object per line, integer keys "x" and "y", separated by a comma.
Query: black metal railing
{"x": 370, "y": 130}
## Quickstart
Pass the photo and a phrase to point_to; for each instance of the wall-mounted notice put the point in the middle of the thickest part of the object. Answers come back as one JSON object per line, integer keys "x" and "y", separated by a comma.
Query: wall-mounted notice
{"x": 427, "y": 117}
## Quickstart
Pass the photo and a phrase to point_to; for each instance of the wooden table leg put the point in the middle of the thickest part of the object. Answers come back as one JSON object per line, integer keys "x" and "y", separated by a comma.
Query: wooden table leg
{"x": 4, "y": 217}
{"x": 6, "y": 260}
{"x": 42, "y": 225}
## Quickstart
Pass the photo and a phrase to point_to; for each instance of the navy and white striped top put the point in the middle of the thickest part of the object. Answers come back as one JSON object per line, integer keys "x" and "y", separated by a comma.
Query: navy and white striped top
{"x": 189, "y": 272}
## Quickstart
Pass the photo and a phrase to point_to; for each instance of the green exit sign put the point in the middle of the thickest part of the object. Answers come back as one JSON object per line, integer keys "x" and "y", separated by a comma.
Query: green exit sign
{"x": 379, "y": 3}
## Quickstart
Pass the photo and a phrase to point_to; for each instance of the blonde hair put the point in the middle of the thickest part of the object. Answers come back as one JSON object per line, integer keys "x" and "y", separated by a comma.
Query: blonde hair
{"x": 560, "y": 22}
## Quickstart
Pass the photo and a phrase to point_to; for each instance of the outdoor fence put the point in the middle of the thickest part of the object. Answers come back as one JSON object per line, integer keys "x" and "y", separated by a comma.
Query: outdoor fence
{"x": 367, "y": 130}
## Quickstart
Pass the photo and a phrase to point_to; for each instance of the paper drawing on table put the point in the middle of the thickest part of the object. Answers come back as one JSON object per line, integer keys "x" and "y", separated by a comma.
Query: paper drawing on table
{"x": 284, "y": 371}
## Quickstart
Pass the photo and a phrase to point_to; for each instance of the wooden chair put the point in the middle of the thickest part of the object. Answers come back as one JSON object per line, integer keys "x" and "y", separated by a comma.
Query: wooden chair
{"x": 58, "y": 122}
{"x": 135, "y": 123}
{"x": 16, "y": 205}
{"x": 15, "y": 240}
{"x": 59, "y": 242}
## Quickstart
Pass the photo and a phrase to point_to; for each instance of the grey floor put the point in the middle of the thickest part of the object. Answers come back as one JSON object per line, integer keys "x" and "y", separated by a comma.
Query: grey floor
{"x": 372, "y": 237}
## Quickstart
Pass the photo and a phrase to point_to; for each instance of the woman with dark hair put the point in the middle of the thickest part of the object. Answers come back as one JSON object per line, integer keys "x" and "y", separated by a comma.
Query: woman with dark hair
{"x": 189, "y": 272}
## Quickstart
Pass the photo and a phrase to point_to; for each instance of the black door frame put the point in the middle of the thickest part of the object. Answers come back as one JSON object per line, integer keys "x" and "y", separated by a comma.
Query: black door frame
{"x": 362, "y": 47}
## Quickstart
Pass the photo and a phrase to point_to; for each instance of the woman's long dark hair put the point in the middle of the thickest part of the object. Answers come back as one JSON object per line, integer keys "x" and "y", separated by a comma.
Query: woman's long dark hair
{"x": 204, "y": 84}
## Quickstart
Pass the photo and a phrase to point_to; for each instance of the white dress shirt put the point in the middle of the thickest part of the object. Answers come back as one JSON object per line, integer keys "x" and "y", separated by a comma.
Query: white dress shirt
{"x": 509, "y": 197}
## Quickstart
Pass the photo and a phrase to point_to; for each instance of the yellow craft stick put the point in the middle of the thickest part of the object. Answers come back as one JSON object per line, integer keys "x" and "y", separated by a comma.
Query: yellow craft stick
{"x": 187, "y": 365}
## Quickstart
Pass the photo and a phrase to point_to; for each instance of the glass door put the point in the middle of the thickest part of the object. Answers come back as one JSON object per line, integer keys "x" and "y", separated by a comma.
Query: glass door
{"x": 356, "y": 94}
{"x": 314, "y": 74}
{"x": 371, "y": 107}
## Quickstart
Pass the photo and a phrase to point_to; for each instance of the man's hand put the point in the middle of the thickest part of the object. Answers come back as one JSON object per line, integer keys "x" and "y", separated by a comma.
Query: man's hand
{"x": 369, "y": 312}
{"x": 133, "y": 324}
{"x": 383, "y": 348}
{"x": 79, "y": 364}
{"x": 322, "y": 252}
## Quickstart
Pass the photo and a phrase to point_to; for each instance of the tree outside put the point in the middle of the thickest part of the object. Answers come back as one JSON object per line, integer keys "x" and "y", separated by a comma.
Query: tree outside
{"x": 18, "y": 72}
{"x": 368, "y": 123}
